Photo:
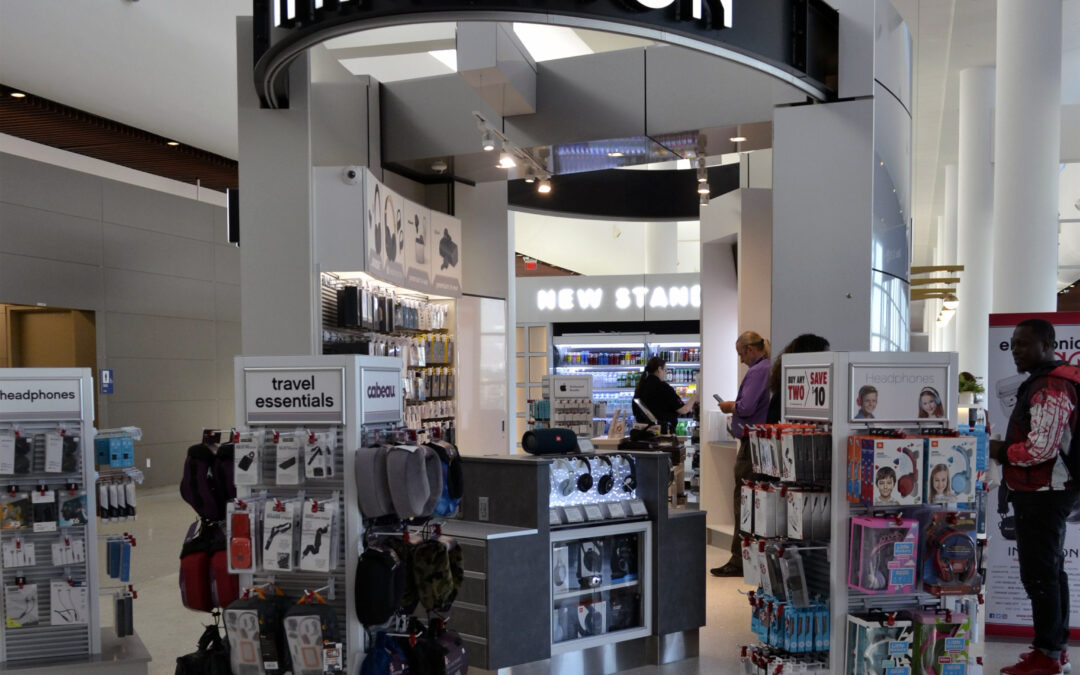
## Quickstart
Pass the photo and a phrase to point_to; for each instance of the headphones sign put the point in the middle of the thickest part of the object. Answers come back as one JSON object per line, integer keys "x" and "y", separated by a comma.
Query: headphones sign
{"x": 294, "y": 395}
{"x": 808, "y": 389}
{"x": 23, "y": 399}
{"x": 914, "y": 394}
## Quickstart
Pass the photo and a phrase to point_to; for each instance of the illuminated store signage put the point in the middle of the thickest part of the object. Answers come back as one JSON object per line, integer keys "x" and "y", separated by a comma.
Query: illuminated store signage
{"x": 796, "y": 40}
{"x": 657, "y": 297}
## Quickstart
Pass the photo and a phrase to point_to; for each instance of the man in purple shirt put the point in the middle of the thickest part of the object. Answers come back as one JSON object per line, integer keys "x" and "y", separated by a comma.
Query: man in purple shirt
{"x": 749, "y": 408}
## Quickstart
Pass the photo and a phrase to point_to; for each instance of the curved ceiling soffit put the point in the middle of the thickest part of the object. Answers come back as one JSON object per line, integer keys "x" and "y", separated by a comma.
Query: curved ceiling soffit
{"x": 271, "y": 67}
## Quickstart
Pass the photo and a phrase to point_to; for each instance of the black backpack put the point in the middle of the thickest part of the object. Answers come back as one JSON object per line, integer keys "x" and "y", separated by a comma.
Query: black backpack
{"x": 210, "y": 658}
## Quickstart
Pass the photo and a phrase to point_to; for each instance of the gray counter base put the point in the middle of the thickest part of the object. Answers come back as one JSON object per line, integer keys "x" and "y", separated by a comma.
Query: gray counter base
{"x": 119, "y": 656}
{"x": 611, "y": 658}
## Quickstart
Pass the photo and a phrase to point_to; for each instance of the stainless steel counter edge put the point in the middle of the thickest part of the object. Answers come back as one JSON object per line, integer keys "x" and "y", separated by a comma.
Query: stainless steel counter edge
{"x": 486, "y": 531}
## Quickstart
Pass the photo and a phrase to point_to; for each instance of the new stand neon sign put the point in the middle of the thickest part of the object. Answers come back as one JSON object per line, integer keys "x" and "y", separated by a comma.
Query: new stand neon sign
{"x": 657, "y": 297}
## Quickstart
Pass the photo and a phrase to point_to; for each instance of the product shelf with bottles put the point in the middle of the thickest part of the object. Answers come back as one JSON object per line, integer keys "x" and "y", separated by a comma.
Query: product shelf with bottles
{"x": 888, "y": 603}
{"x": 362, "y": 315}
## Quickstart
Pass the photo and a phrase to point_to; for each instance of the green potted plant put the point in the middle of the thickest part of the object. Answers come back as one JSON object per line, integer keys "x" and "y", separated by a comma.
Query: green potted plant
{"x": 969, "y": 388}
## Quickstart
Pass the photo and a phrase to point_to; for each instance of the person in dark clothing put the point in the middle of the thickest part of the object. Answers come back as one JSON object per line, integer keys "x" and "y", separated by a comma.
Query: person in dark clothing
{"x": 659, "y": 397}
{"x": 1039, "y": 442}
{"x": 804, "y": 344}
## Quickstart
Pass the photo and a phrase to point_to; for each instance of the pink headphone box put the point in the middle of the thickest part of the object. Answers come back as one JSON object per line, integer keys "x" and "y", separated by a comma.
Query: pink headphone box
{"x": 883, "y": 554}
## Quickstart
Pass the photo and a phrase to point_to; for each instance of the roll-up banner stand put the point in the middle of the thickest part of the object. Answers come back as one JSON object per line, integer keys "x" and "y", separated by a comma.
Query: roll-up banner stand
{"x": 1008, "y": 608}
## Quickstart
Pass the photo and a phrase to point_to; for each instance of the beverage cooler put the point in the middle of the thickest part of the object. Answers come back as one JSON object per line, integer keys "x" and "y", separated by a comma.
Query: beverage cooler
{"x": 616, "y": 361}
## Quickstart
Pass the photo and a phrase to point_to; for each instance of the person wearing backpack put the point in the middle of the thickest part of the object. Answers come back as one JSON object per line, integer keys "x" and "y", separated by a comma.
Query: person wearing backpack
{"x": 1039, "y": 458}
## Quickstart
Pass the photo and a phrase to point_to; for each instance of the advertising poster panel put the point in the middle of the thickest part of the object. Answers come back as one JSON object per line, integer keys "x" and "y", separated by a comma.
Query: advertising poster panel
{"x": 1008, "y": 610}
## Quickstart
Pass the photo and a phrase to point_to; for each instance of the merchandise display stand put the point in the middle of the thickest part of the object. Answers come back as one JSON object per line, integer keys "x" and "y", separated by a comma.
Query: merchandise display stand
{"x": 823, "y": 389}
{"x": 338, "y": 398}
{"x": 46, "y": 430}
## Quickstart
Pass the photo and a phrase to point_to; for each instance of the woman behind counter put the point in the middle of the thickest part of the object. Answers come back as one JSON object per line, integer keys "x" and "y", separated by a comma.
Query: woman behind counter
{"x": 659, "y": 397}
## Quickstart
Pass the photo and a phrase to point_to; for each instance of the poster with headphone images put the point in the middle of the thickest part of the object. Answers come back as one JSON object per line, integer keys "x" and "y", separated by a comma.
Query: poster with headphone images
{"x": 1007, "y": 603}
{"x": 384, "y": 231}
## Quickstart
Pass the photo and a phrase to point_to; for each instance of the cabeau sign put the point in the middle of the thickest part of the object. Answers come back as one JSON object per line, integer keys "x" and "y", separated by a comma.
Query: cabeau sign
{"x": 795, "y": 40}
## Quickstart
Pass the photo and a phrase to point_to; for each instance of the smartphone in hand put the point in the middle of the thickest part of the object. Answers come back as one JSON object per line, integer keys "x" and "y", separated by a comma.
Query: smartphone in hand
{"x": 718, "y": 399}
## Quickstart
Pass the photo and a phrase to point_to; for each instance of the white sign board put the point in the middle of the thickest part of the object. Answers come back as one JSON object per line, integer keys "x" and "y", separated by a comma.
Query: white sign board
{"x": 380, "y": 396}
{"x": 609, "y": 298}
{"x": 1008, "y": 609}
{"x": 900, "y": 394}
{"x": 444, "y": 250}
{"x": 40, "y": 399}
{"x": 294, "y": 395}
{"x": 808, "y": 391}
{"x": 416, "y": 236}
{"x": 384, "y": 234}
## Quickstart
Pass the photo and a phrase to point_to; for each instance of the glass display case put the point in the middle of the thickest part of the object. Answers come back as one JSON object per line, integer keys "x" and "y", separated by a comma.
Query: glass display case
{"x": 601, "y": 585}
{"x": 615, "y": 362}
{"x": 683, "y": 356}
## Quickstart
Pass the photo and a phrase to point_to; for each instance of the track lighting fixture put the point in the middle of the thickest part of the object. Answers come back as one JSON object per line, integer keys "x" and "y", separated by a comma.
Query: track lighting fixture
{"x": 506, "y": 160}
{"x": 530, "y": 174}
{"x": 487, "y": 140}
{"x": 544, "y": 187}
{"x": 703, "y": 199}
{"x": 703, "y": 188}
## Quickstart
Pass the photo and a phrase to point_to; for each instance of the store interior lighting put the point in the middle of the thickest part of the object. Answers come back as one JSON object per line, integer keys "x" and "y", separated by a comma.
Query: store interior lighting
{"x": 703, "y": 188}
{"x": 703, "y": 199}
{"x": 512, "y": 155}
{"x": 950, "y": 301}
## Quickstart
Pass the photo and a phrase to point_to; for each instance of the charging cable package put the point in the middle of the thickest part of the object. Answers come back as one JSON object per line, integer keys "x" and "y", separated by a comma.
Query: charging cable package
{"x": 279, "y": 532}
{"x": 883, "y": 554}
{"x": 247, "y": 460}
{"x": 318, "y": 536}
{"x": 18, "y": 553}
{"x": 7, "y": 452}
{"x": 794, "y": 574}
{"x": 68, "y": 551}
{"x": 45, "y": 512}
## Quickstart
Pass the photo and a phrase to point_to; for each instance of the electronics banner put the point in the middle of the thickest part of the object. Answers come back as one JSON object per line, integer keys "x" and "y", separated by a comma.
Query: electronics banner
{"x": 1008, "y": 609}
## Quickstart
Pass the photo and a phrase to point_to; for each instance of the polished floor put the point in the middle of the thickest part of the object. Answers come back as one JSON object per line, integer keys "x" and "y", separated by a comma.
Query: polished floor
{"x": 169, "y": 630}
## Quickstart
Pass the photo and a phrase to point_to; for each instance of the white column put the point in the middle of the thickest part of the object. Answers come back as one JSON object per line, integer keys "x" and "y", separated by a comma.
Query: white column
{"x": 948, "y": 248}
{"x": 1027, "y": 143}
{"x": 974, "y": 217}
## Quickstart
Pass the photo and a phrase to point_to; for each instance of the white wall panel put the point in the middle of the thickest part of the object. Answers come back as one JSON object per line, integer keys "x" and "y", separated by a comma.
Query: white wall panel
{"x": 226, "y": 302}
{"x": 49, "y": 234}
{"x": 29, "y": 281}
{"x": 49, "y": 187}
{"x": 134, "y": 206}
{"x": 227, "y": 264}
{"x": 159, "y": 337}
{"x": 161, "y": 379}
{"x": 130, "y": 248}
{"x": 158, "y": 294}
{"x": 168, "y": 421}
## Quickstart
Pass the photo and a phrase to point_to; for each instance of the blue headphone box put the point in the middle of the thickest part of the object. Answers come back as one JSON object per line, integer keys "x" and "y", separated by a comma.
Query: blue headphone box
{"x": 950, "y": 470}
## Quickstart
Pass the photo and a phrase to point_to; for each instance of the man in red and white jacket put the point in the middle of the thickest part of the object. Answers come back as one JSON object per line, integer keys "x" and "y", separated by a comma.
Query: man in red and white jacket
{"x": 1034, "y": 458}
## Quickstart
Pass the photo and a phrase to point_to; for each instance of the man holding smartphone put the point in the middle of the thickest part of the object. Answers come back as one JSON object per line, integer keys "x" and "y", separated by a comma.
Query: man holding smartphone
{"x": 750, "y": 407}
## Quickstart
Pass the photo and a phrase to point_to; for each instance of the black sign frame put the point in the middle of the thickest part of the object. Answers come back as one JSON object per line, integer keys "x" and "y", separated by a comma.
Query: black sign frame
{"x": 797, "y": 38}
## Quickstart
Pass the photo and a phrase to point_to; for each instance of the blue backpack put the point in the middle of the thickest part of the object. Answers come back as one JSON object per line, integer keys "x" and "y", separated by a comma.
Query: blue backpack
{"x": 453, "y": 481}
{"x": 385, "y": 658}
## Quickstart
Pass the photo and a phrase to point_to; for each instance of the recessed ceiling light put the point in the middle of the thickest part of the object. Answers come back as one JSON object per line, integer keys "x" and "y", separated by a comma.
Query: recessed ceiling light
{"x": 172, "y": 143}
{"x": 738, "y": 139}
{"x": 17, "y": 94}
{"x": 615, "y": 154}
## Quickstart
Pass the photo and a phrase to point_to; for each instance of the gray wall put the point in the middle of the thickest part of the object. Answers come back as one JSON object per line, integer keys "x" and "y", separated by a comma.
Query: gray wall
{"x": 164, "y": 285}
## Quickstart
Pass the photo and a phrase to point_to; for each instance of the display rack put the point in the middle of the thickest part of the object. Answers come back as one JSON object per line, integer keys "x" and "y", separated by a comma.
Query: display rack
{"x": 50, "y": 406}
{"x": 365, "y": 393}
{"x": 387, "y": 320}
{"x": 683, "y": 356}
{"x": 821, "y": 388}
{"x": 614, "y": 362}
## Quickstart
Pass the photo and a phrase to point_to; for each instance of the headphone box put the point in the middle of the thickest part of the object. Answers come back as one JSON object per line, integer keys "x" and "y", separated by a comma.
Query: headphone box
{"x": 882, "y": 555}
{"x": 950, "y": 474}
{"x": 891, "y": 471}
{"x": 876, "y": 644}
{"x": 560, "y": 569}
{"x": 941, "y": 642}
{"x": 592, "y": 618}
{"x": 950, "y": 558}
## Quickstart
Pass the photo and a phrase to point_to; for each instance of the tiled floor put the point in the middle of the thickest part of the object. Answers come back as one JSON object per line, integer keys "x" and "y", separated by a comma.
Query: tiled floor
{"x": 169, "y": 630}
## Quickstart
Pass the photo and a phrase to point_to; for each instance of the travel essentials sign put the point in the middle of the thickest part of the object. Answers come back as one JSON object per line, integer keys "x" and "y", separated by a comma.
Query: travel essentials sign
{"x": 807, "y": 391}
{"x": 1008, "y": 608}
{"x": 294, "y": 395}
{"x": 891, "y": 394}
{"x": 23, "y": 399}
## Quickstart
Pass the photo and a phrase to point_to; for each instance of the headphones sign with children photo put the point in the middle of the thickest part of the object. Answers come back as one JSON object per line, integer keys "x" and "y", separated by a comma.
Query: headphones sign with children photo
{"x": 889, "y": 394}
